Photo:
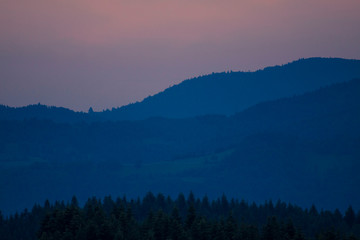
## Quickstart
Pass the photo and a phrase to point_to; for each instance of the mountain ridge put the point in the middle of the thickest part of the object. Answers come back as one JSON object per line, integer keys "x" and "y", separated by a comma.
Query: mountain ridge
{"x": 224, "y": 93}
{"x": 335, "y": 69}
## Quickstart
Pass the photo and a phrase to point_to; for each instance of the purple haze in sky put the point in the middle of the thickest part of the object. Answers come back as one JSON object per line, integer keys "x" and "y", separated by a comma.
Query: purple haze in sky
{"x": 104, "y": 54}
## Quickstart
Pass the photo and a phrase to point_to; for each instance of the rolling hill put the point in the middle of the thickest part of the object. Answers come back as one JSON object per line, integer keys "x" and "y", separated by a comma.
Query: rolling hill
{"x": 303, "y": 149}
{"x": 232, "y": 92}
{"x": 217, "y": 93}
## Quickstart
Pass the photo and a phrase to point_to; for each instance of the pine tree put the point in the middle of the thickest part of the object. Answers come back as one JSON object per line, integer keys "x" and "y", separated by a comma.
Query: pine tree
{"x": 231, "y": 228}
{"x": 147, "y": 228}
{"x": 289, "y": 230}
{"x": 74, "y": 202}
{"x": 349, "y": 217}
{"x": 271, "y": 230}
{"x": 224, "y": 205}
{"x": 181, "y": 205}
{"x": 191, "y": 199}
{"x": 176, "y": 230}
{"x": 217, "y": 230}
{"x": 205, "y": 207}
{"x": 313, "y": 211}
{"x": 191, "y": 216}
{"x": 161, "y": 226}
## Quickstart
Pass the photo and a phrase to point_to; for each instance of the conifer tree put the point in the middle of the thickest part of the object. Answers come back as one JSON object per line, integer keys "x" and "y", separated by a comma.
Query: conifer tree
{"x": 191, "y": 216}
{"x": 271, "y": 230}
{"x": 350, "y": 216}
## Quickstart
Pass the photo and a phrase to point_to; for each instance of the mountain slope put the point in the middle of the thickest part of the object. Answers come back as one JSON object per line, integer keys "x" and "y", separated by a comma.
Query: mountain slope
{"x": 304, "y": 149}
{"x": 220, "y": 93}
{"x": 228, "y": 93}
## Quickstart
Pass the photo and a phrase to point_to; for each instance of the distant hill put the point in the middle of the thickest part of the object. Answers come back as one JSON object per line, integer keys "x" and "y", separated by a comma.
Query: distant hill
{"x": 217, "y": 93}
{"x": 40, "y": 111}
{"x": 304, "y": 149}
{"x": 232, "y": 92}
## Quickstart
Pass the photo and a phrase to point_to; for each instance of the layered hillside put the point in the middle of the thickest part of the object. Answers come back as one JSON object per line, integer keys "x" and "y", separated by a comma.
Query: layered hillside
{"x": 303, "y": 149}
{"x": 217, "y": 93}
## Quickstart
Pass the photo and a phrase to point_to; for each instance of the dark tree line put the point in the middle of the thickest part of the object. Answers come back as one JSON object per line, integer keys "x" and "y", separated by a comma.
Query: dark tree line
{"x": 159, "y": 217}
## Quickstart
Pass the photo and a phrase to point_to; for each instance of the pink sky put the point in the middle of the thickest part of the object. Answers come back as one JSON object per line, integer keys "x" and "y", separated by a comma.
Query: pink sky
{"x": 104, "y": 54}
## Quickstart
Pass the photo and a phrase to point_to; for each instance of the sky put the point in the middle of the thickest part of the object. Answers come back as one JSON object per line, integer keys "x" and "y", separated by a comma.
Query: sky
{"x": 108, "y": 53}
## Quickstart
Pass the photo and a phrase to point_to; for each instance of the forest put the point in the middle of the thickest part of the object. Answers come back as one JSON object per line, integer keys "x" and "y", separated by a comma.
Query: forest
{"x": 160, "y": 217}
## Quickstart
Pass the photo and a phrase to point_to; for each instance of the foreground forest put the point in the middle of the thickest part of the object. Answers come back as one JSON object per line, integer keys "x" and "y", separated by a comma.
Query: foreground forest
{"x": 159, "y": 217}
